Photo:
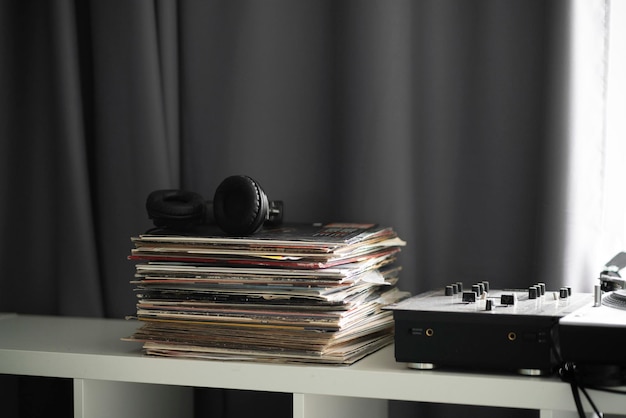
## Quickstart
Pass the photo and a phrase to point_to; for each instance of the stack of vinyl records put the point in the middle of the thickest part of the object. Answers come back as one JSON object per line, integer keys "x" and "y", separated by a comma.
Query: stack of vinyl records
{"x": 297, "y": 293}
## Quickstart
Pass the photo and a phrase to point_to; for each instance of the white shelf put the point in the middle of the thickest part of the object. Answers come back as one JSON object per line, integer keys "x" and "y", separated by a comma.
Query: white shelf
{"x": 89, "y": 350}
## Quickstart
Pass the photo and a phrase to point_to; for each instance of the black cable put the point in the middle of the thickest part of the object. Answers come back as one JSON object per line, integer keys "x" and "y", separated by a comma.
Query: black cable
{"x": 569, "y": 373}
{"x": 579, "y": 405}
{"x": 593, "y": 405}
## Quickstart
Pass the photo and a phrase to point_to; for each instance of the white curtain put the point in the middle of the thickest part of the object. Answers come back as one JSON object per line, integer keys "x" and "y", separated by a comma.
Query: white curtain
{"x": 594, "y": 211}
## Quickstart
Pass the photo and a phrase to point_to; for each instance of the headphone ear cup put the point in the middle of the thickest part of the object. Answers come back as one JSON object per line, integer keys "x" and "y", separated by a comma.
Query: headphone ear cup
{"x": 175, "y": 208}
{"x": 240, "y": 206}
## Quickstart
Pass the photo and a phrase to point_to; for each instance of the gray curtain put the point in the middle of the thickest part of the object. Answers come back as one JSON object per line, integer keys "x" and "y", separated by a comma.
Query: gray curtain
{"x": 439, "y": 118}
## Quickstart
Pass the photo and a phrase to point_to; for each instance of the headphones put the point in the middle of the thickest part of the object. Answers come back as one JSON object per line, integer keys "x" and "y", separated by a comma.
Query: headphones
{"x": 240, "y": 207}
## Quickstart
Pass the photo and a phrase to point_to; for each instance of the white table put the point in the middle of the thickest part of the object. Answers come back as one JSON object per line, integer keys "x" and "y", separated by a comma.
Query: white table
{"x": 113, "y": 377}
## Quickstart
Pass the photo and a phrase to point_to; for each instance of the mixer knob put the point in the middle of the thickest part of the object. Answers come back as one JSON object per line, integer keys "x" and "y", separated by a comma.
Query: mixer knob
{"x": 542, "y": 288}
{"x": 477, "y": 289}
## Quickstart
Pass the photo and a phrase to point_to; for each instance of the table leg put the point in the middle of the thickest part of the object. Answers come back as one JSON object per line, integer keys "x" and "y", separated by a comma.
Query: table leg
{"x": 100, "y": 399}
{"x": 328, "y": 406}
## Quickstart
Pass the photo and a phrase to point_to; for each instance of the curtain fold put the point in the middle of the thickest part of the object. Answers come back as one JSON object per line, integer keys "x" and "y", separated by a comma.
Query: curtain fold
{"x": 135, "y": 128}
{"x": 47, "y": 220}
{"x": 480, "y": 131}
{"x": 453, "y": 121}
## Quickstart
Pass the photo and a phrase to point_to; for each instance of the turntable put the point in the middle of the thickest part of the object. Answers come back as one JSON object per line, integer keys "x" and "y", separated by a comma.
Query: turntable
{"x": 593, "y": 338}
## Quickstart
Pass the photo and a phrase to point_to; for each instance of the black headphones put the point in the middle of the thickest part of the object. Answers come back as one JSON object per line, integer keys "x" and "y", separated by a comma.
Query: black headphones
{"x": 240, "y": 207}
